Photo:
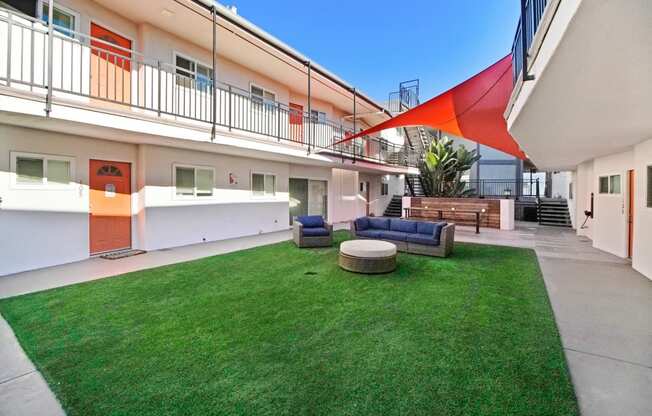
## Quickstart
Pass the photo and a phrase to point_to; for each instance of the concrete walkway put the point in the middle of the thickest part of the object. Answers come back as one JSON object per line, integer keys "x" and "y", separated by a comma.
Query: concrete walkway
{"x": 603, "y": 309}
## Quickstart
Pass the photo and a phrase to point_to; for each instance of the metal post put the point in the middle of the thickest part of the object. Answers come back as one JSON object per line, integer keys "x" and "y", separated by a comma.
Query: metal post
{"x": 158, "y": 66}
{"x": 354, "y": 121}
{"x": 477, "y": 222}
{"x": 526, "y": 76}
{"x": 309, "y": 106}
{"x": 230, "y": 105}
{"x": 10, "y": 17}
{"x": 214, "y": 117}
{"x": 48, "y": 96}
{"x": 278, "y": 121}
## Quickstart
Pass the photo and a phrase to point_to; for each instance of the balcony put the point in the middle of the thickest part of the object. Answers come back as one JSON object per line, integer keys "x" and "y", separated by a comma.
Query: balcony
{"x": 94, "y": 73}
{"x": 534, "y": 11}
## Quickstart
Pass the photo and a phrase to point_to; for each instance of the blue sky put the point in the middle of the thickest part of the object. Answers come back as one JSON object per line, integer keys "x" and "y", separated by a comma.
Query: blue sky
{"x": 376, "y": 44}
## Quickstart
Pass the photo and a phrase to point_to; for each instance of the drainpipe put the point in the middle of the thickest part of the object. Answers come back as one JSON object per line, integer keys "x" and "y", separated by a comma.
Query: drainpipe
{"x": 48, "y": 96}
{"x": 213, "y": 27}
{"x": 526, "y": 76}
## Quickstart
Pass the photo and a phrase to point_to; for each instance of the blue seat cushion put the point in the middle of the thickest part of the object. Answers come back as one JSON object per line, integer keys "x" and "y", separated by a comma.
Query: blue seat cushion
{"x": 362, "y": 223}
{"x": 426, "y": 228}
{"x": 438, "y": 227}
{"x": 315, "y": 232}
{"x": 379, "y": 223}
{"x": 404, "y": 226}
{"x": 369, "y": 233}
{"x": 393, "y": 235}
{"x": 424, "y": 239}
{"x": 311, "y": 221}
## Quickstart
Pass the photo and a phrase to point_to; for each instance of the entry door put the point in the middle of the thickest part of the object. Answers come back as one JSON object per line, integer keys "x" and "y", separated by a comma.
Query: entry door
{"x": 630, "y": 214}
{"x": 110, "y": 206}
{"x": 296, "y": 123}
{"x": 110, "y": 65}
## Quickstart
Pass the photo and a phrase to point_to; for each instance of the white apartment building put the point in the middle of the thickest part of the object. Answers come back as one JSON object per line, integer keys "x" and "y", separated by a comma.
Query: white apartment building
{"x": 146, "y": 125}
{"x": 587, "y": 109}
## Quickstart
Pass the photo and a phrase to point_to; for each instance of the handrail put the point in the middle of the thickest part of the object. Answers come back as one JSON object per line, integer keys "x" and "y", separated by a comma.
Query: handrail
{"x": 84, "y": 68}
{"x": 533, "y": 13}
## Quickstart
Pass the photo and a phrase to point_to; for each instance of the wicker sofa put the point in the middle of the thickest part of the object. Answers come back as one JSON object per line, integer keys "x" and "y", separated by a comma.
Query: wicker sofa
{"x": 312, "y": 231}
{"x": 417, "y": 237}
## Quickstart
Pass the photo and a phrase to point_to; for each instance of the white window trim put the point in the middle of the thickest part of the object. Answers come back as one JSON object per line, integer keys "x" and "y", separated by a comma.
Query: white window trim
{"x": 265, "y": 90}
{"x": 44, "y": 185}
{"x": 191, "y": 59}
{"x": 57, "y": 5}
{"x": 265, "y": 195}
{"x": 609, "y": 193}
{"x": 194, "y": 196}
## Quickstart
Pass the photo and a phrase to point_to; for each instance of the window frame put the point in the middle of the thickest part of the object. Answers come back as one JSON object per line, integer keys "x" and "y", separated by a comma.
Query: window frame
{"x": 195, "y": 63}
{"x": 315, "y": 116}
{"x": 609, "y": 190}
{"x": 265, "y": 175}
{"x": 648, "y": 182}
{"x": 384, "y": 189}
{"x": 265, "y": 101}
{"x": 39, "y": 13}
{"x": 44, "y": 185}
{"x": 195, "y": 168}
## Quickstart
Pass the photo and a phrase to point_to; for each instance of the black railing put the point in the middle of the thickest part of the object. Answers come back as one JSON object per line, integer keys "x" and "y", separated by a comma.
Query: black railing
{"x": 533, "y": 12}
{"x": 405, "y": 98}
{"x": 503, "y": 188}
{"x": 93, "y": 72}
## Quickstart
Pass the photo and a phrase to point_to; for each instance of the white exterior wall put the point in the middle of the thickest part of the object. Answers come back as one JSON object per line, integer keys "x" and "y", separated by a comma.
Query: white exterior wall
{"x": 560, "y": 182}
{"x": 585, "y": 185}
{"x": 231, "y": 212}
{"x": 642, "y": 260}
{"x": 44, "y": 227}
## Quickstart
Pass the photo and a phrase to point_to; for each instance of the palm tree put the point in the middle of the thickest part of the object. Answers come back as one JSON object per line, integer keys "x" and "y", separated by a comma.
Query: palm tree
{"x": 443, "y": 166}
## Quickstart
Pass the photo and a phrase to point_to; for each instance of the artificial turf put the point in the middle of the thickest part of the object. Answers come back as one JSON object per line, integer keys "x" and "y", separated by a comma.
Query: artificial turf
{"x": 278, "y": 330}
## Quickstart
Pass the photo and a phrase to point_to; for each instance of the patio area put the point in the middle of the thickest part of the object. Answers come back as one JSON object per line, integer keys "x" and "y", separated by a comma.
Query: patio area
{"x": 602, "y": 307}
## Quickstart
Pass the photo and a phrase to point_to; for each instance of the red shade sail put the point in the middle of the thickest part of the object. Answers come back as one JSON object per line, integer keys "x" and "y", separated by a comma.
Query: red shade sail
{"x": 472, "y": 110}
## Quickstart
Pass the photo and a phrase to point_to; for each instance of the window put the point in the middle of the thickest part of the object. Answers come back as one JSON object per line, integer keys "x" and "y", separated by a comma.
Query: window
{"x": 192, "y": 181}
{"x": 263, "y": 184}
{"x": 65, "y": 20}
{"x": 260, "y": 95}
{"x": 189, "y": 70}
{"x": 361, "y": 186}
{"x": 384, "y": 189}
{"x": 570, "y": 190}
{"x": 609, "y": 184}
{"x": 33, "y": 170}
{"x": 317, "y": 116}
{"x": 649, "y": 186}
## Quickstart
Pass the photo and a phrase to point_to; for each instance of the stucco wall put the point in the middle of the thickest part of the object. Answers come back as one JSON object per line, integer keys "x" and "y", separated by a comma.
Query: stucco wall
{"x": 642, "y": 260}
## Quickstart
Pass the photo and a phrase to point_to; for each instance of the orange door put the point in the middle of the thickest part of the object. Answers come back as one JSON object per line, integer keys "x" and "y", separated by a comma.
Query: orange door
{"x": 110, "y": 206}
{"x": 110, "y": 65}
{"x": 296, "y": 123}
{"x": 630, "y": 215}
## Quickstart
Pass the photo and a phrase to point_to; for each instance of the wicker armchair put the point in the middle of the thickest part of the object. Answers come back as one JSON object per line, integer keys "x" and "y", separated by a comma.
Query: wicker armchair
{"x": 312, "y": 231}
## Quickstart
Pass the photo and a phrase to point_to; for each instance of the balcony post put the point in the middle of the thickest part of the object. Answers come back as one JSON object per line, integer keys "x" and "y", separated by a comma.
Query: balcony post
{"x": 158, "y": 106}
{"x": 214, "y": 83}
{"x": 278, "y": 121}
{"x": 230, "y": 105}
{"x": 354, "y": 122}
{"x": 10, "y": 18}
{"x": 524, "y": 46}
{"x": 309, "y": 106}
{"x": 48, "y": 95}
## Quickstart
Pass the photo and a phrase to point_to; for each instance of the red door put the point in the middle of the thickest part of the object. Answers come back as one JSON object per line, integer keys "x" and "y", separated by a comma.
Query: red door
{"x": 296, "y": 123}
{"x": 110, "y": 206}
{"x": 630, "y": 215}
{"x": 110, "y": 65}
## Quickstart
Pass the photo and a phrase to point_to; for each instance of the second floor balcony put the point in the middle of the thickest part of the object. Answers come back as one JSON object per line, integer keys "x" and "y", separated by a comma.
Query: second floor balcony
{"x": 94, "y": 72}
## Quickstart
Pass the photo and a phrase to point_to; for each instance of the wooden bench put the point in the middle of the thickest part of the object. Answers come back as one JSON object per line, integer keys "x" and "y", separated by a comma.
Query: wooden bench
{"x": 465, "y": 211}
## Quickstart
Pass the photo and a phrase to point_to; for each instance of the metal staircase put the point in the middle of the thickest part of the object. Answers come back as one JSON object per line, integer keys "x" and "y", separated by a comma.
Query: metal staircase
{"x": 395, "y": 207}
{"x": 554, "y": 211}
{"x": 413, "y": 185}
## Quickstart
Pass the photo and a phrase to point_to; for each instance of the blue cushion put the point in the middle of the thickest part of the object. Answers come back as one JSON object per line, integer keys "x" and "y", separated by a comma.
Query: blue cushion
{"x": 404, "y": 226}
{"x": 311, "y": 221}
{"x": 379, "y": 223}
{"x": 362, "y": 223}
{"x": 428, "y": 240}
{"x": 369, "y": 233}
{"x": 438, "y": 227}
{"x": 393, "y": 235}
{"x": 315, "y": 232}
{"x": 426, "y": 228}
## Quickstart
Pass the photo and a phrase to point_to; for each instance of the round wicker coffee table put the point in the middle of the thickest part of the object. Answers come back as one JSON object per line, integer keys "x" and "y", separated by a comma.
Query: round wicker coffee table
{"x": 368, "y": 256}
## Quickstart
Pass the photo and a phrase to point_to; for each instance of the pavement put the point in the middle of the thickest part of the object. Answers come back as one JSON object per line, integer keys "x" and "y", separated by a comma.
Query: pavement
{"x": 602, "y": 306}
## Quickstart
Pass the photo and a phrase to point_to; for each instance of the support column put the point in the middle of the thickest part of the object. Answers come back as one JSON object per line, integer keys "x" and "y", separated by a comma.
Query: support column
{"x": 309, "y": 105}
{"x": 354, "y": 121}
{"x": 48, "y": 96}
{"x": 214, "y": 84}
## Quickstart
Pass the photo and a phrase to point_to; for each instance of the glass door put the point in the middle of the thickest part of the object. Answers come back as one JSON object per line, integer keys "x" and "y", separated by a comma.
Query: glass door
{"x": 308, "y": 197}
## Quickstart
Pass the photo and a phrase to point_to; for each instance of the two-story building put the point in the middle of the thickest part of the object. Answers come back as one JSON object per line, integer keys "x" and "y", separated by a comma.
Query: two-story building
{"x": 582, "y": 102}
{"x": 146, "y": 125}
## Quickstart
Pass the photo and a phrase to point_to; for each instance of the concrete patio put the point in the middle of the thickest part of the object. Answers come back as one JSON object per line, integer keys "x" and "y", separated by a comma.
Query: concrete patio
{"x": 602, "y": 306}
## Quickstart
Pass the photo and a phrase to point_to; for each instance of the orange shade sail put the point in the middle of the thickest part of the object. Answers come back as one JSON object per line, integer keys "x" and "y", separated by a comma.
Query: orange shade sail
{"x": 472, "y": 110}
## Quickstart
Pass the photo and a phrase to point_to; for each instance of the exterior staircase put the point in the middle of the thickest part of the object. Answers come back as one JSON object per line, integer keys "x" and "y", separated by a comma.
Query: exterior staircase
{"x": 395, "y": 207}
{"x": 554, "y": 211}
{"x": 413, "y": 186}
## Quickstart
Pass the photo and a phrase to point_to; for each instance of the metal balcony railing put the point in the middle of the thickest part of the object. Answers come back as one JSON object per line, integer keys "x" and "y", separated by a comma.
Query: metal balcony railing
{"x": 533, "y": 12}
{"x": 500, "y": 188}
{"x": 96, "y": 73}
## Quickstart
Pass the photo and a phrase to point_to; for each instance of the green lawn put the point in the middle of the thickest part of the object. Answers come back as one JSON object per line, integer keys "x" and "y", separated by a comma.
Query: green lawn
{"x": 281, "y": 331}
